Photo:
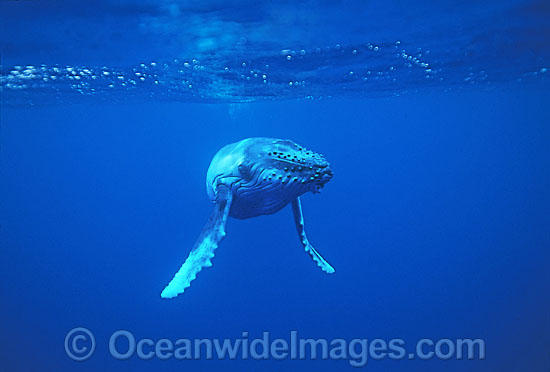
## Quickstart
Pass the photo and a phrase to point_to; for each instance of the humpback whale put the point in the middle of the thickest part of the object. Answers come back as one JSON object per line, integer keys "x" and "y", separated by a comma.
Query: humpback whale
{"x": 249, "y": 178}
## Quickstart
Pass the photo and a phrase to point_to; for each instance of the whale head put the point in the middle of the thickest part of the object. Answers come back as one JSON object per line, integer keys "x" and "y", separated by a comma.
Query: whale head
{"x": 265, "y": 174}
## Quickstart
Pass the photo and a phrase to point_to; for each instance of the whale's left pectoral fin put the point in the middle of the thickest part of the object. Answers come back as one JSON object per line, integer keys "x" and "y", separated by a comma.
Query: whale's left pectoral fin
{"x": 203, "y": 250}
{"x": 299, "y": 220}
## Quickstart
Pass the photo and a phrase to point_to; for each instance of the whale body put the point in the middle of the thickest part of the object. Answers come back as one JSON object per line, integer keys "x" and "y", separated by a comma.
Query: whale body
{"x": 249, "y": 178}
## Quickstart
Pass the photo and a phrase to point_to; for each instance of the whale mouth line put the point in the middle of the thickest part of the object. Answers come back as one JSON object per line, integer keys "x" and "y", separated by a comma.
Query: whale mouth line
{"x": 304, "y": 164}
{"x": 289, "y": 161}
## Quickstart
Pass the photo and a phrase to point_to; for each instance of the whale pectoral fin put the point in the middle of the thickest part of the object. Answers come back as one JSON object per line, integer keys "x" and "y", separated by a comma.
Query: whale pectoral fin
{"x": 299, "y": 220}
{"x": 203, "y": 250}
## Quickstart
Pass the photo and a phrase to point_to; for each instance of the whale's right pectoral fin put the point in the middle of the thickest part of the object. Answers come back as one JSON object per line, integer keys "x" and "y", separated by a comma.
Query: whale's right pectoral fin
{"x": 299, "y": 220}
{"x": 203, "y": 250}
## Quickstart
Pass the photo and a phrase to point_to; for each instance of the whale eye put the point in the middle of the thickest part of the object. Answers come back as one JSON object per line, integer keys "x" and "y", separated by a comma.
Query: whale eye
{"x": 244, "y": 171}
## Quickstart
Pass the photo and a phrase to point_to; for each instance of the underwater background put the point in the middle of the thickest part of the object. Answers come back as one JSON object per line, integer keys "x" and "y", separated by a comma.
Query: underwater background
{"x": 434, "y": 117}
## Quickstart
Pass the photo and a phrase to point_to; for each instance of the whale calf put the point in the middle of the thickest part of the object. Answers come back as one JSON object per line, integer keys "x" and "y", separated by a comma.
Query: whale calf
{"x": 249, "y": 178}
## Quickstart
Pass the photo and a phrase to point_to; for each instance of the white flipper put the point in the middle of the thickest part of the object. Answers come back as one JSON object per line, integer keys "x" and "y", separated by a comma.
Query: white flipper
{"x": 299, "y": 220}
{"x": 203, "y": 250}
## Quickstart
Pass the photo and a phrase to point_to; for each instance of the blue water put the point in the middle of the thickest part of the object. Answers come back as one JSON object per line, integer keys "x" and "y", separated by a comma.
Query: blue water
{"x": 434, "y": 118}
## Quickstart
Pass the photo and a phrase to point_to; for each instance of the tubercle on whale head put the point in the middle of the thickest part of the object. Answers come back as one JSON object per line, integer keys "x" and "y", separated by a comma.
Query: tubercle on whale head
{"x": 294, "y": 163}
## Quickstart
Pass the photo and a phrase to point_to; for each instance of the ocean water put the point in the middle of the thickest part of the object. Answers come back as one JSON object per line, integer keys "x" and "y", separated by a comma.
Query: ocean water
{"x": 434, "y": 117}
